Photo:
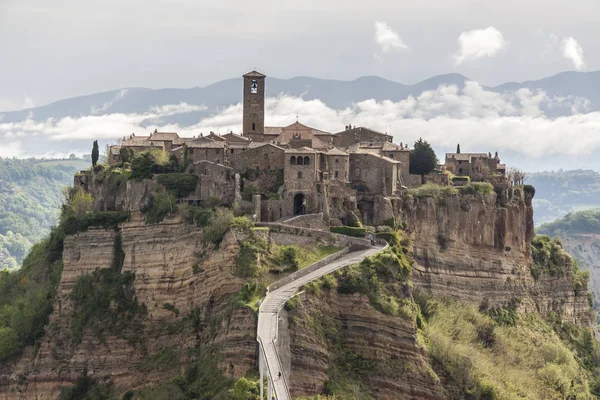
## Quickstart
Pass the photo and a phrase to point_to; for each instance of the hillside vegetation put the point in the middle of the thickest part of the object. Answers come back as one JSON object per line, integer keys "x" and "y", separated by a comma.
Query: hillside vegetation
{"x": 561, "y": 192}
{"x": 30, "y": 195}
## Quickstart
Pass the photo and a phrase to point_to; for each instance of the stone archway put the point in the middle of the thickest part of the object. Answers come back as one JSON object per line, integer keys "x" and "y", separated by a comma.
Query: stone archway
{"x": 299, "y": 204}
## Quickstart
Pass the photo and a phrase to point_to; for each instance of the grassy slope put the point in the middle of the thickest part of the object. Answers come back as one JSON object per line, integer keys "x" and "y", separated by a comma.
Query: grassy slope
{"x": 30, "y": 195}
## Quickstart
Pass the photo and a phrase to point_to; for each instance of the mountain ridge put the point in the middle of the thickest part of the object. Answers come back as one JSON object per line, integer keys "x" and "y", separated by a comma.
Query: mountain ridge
{"x": 337, "y": 94}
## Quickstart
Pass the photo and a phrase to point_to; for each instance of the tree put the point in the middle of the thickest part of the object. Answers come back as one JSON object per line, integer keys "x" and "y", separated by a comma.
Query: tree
{"x": 422, "y": 158}
{"x": 95, "y": 153}
{"x": 458, "y": 148}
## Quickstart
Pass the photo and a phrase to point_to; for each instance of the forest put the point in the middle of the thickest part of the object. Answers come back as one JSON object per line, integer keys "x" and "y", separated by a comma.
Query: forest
{"x": 30, "y": 197}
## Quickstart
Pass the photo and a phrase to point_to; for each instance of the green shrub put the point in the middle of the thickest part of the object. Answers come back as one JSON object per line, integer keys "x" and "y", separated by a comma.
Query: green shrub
{"x": 292, "y": 303}
{"x": 289, "y": 257}
{"x": 141, "y": 167}
{"x": 218, "y": 226}
{"x": 87, "y": 388}
{"x": 160, "y": 204}
{"x": 103, "y": 301}
{"x": 477, "y": 188}
{"x": 529, "y": 190}
{"x": 249, "y": 295}
{"x": 438, "y": 192}
{"x": 461, "y": 179}
{"x": 73, "y": 223}
{"x": 9, "y": 343}
{"x": 247, "y": 262}
{"x": 349, "y": 231}
{"x": 250, "y": 189}
{"x": 166, "y": 359}
{"x": 548, "y": 256}
{"x": 180, "y": 185}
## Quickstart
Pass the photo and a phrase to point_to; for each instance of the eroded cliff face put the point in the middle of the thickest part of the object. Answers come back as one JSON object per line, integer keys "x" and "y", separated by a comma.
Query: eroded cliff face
{"x": 162, "y": 257}
{"x": 331, "y": 326}
{"x": 585, "y": 247}
{"x": 469, "y": 248}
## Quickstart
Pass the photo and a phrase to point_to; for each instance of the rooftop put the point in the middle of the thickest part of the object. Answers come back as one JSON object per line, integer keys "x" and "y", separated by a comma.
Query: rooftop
{"x": 301, "y": 150}
{"x": 164, "y": 136}
{"x": 254, "y": 73}
{"x": 466, "y": 156}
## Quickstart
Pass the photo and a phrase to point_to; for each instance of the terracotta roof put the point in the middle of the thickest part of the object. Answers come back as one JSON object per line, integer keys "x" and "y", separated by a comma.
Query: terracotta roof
{"x": 232, "y": 137}
{"x": 387, "y": 146}
{"x": 302, "y": 150}
{"x": 387, "y": 159}
{"x": 361, "y": 129}
{"x": 254, "y": 145}
{"x": 211, "y": 162}
{"x": 273, "y": 130}
{"x": 206, "y": 145}
{"x": 255, "y": 74}
{"x": 238, "y": 145}
{"x": 465, "y": 156}
{"x": 114, "y": 150}
{"x": 164, "y": 136}
{"x": 336, "y": 152}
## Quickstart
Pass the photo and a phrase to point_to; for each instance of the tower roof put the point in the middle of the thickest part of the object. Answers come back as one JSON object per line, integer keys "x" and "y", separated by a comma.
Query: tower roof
{"x": 254, "y": 74}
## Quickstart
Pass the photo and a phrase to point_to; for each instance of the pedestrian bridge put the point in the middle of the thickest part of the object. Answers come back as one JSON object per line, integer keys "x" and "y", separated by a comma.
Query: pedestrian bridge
{"x": 281, "y": 291}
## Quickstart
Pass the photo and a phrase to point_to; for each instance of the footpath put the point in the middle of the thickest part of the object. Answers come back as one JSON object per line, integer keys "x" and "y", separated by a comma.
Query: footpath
{"x": 277, "y": 295}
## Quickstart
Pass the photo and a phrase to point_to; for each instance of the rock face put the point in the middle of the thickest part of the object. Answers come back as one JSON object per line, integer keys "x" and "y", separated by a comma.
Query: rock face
{"x": 162, "y": 256}
{"x": 399, "y": 369}
{"x": 585, "y": 247}
{"x": 468, "y": 248}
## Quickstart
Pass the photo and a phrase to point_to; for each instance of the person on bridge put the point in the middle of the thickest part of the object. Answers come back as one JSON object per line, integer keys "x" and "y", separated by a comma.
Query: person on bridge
{"x": 280, "y": 374}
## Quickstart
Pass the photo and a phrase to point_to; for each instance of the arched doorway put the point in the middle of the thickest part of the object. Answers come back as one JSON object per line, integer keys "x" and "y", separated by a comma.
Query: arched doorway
{"x": 299, "y": 204}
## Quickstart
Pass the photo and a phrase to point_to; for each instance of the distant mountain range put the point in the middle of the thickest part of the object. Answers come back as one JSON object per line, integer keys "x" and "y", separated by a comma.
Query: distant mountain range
{"x": 334, "y": 93}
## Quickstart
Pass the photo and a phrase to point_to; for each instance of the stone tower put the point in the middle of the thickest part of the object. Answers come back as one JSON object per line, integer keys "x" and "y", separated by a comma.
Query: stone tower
{"x": 254, "y": 103}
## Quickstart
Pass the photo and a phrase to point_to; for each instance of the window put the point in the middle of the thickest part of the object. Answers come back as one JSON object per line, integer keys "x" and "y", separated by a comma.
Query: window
{"x": 336, "y": 174}
{"x": 253, "y": 126}
{"x": 336, "y": 160}
{"x": 299, "y": 174}
{"x": 266, "y": 156}
{"x": 357, "y": 172}
{"x": 299, "y": 160}
{"x": 345, "y": 174}
{"x": 231, "y": 151}
{"x": 254, "y": 87}
{"x": 306, "y": 160}
{"x": 293, "y": 160}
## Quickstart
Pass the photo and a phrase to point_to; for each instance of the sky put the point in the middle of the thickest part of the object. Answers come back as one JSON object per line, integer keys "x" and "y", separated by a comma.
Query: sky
{"x": 64, "y": 48}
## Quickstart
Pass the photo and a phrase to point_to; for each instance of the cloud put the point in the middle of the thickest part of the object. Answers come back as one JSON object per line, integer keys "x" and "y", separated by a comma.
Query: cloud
{"x": 480, "y": 120}
{"x": 572, "y": 50}
{"x": 479, "y": 43}
{"x": 387, "y": 38}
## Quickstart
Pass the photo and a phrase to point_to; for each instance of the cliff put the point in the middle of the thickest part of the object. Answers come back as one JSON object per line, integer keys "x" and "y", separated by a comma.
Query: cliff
{"x": 162, "y": 258}
{"x": 470, "y": 248}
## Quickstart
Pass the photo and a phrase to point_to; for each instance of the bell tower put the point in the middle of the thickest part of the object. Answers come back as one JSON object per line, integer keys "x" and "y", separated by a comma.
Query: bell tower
{"x": 254, "y": 103}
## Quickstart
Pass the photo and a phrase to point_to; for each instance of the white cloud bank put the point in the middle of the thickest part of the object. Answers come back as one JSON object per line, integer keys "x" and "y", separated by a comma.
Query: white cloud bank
{"x": 572, "y": 50}
{"x": 387, "y": 38}
{"x": 479, "y": 43}
{"x": 478, "y": 119}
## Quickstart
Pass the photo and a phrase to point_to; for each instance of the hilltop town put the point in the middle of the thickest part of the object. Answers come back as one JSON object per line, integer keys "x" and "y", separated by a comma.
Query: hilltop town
{"x": 296, "y": 170}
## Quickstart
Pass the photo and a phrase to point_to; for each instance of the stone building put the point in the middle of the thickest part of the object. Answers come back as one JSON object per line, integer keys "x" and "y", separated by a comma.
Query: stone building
{"x": 474, "y": 165}
{"x": 352, "y": 135}
{"x": 380, "y": 175}
{"x": 254, "y": 104}
{"x": 300, "y": 175}
{"x": 323, "y": 173}
{"x": 338, "y": 165}
{"x": 262, "y": 156}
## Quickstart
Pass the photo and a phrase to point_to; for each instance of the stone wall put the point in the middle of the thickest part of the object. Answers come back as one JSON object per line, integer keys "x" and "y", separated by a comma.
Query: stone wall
{"x": 379, "y": 173}
{"x": 311, "y": 221}
{"x": 265, "y": 157}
